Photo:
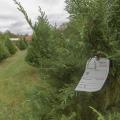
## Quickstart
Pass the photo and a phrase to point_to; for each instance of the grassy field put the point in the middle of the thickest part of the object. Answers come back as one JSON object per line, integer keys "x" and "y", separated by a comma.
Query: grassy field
{"x": 16, "y": 79}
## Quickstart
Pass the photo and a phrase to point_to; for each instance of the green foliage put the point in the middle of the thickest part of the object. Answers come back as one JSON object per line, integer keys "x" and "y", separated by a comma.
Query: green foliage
{"x": 110, "y": 116}
{"x": 4, "y": 53}
{"x": 10, "y": 46}
{"x": 21, "y": 44}
{"x": 71, "y": 117}
{"x": 100, "y": 116}
{"x": 62, "y": 53}
{"x": 39, "y": 48}
{"x": 114, "y": 19}
{"x": 64, "y": 108}
{"x": 41, "y": 101}
{"x": 6, "y": 46}
{"x": 113, "y": 116}
{"x": 95, "y": 34}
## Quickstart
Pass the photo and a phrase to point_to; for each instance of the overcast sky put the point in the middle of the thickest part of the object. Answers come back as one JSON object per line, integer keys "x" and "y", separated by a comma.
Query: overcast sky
{"x": 11, "y": 19}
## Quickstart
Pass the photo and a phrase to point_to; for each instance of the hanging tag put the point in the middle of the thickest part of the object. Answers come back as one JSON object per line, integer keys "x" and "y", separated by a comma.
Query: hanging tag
{"x": 95, "y": 75}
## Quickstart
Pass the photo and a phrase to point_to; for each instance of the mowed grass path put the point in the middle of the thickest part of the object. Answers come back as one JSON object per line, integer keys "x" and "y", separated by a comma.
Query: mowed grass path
{"x": 16, "y": 79}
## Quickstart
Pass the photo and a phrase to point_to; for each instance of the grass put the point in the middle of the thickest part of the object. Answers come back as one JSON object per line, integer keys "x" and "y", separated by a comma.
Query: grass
{"x": 16, "y": 79}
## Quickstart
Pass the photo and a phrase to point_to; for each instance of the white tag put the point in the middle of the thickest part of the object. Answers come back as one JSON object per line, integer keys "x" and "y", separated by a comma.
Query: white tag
{"x": 94, "y": 76}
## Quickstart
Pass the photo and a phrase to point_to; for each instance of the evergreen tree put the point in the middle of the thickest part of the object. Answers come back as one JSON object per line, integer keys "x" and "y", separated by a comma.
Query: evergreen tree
{"x": 88, "y": 33}
{"x": 10, "y": 46}
{"x": 114, "y": 19}
{"x": 93, "y": 15}
{"x": 4, "y": 53}
{"x": 21, "y": 44}
{"x": 40, "y": 49}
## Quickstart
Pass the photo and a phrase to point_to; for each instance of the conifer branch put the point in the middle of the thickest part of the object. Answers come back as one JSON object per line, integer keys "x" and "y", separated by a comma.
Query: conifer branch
{"x": 22, "y": 10}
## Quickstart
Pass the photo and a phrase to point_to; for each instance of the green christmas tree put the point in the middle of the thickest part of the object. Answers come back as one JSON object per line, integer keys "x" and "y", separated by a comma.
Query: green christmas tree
{"x": 97, "y": 38}
{"x": 89, "y": 32}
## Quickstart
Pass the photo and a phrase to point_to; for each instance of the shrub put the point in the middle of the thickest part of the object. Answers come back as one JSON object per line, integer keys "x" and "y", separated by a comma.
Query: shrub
{"x": 40, "y": 49}
{"x": 21, "y": 44}
{"x": 10, "y": 46}
{"x": 4, "y": 53}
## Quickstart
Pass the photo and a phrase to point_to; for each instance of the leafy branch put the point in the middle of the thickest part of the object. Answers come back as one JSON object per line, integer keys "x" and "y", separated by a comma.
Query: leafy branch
{"x": 22, "y": 10}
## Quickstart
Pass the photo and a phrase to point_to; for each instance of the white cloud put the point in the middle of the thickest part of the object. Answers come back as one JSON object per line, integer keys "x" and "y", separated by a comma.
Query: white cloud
{"x": 11, "y": 19}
